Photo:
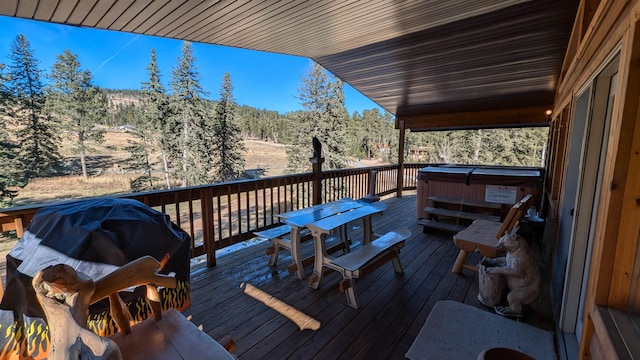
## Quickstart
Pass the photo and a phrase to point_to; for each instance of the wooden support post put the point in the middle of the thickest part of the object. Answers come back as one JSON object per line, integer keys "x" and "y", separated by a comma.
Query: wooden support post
{"x": 316, "y": 162}
{"x": 208, "y": 234}
{"x": 400, "y": 179}
{"x": 371, "y": 196}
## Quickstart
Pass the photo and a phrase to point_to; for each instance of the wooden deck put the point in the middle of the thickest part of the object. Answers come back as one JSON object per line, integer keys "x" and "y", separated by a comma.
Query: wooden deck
{"x": 393, "y": 308}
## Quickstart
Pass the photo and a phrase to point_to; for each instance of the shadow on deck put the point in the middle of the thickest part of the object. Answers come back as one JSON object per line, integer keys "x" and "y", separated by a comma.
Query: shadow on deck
{"x": 392, "y": 308}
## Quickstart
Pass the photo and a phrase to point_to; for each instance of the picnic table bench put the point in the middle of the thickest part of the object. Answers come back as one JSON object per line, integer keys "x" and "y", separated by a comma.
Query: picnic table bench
{"x": 360, "y": 261}
{"x": 367, "y": 258}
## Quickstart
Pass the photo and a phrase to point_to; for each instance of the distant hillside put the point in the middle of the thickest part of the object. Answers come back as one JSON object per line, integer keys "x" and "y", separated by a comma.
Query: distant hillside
{"x": 119, "y": 99}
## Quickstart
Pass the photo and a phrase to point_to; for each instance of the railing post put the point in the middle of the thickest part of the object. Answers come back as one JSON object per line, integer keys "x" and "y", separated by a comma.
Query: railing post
{"x": 371, "y": 196}
{"x": 316, "y": 163}
{"x": 208, "y": 237}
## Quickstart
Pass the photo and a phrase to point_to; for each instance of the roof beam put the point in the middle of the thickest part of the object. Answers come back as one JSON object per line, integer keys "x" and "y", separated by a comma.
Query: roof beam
{"x": 501, "y": 118}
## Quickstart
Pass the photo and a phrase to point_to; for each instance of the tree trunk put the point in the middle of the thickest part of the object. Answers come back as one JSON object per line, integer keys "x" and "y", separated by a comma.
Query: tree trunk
{"x": 83, "y": 164}
{"x": 166, "y": 169}
{"x": 476, "y": 152}
{"x": 185, "y": 155}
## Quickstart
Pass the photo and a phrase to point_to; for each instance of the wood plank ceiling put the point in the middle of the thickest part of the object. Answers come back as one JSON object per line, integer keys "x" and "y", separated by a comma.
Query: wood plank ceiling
{"x": 434, "y": 64}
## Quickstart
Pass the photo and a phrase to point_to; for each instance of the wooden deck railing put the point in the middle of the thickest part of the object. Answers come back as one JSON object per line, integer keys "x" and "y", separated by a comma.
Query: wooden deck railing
{"x": 224, "y": 214}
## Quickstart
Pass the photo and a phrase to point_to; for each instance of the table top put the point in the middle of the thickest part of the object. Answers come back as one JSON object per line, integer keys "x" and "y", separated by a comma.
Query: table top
{"x": 331, "y": 222}
{"x": 305, "y": 216}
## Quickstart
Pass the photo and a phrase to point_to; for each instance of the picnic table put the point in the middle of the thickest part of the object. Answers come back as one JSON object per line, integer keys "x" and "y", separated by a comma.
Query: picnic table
{"x": 289, "y": 234}
{"x": 297, "y": 220}
{"x": 364, "y": 259}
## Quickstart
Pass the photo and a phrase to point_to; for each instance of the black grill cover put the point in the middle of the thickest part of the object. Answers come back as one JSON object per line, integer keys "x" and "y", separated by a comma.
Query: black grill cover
{"x": 103, "y": 232}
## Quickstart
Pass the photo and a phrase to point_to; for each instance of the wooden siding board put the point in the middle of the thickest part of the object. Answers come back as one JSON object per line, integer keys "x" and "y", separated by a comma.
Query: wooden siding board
{"x": 237, "y": 20}
{"x": 130, "y": 13}
{"x": 180, "y": 14}
{"x": 159, "y": 16}
{"x": 338, "y": 14}
{"x": 133, "y": 23}
{"x": 283, "y": 21}
{"x": 115, "y": 12}
{"x": 10, "y": 7}
{"x": 81, "y": 11}
{"x": 222, "y": 19}
{"x": 533, "y": 116}
{"x": 45, "y": 10}
{"x": 63, "y": 10}
{"x": 628, "y": 150}
{"x": 203, "y": 16}
{"x": 27, "y": 9}
{"x": 594, "y": 48}
{"x": 97, "y": 12}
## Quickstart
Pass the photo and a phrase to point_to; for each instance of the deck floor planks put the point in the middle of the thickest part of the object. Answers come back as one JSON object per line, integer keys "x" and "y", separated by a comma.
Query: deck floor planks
{"x": 428, "y": 289}
{"x": 393, "y": 308}
{"x": 371, "y": 313}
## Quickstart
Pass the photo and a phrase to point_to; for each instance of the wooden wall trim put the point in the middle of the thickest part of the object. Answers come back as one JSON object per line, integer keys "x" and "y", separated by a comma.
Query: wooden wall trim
{"x": 617, "y": 228}
{"x": 606, "y": 30}
{"x": 610, "y": 344}
{"x": 629, "y": 228}
{"x": 574, "y": 41}
{"x": 530, "y": 116}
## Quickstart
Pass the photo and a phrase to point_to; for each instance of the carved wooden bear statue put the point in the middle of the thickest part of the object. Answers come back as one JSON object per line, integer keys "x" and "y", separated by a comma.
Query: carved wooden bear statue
{"x": 520, "y": 271}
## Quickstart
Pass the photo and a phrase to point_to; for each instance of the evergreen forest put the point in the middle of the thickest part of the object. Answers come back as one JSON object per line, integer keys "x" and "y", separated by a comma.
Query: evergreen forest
{"x": 185, "y": 136}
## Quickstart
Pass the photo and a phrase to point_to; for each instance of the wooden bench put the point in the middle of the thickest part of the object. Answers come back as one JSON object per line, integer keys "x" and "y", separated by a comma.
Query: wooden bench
{"x": 483, "y": 235}
{"x": 464, "y": 210}
{"x": 367, "y": 258}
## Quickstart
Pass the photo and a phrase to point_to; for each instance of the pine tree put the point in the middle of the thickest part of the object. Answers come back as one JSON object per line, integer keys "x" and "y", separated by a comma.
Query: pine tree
{"x": 39, "y": 143}
{"x": 228, "y": 145}
{"x": 11, "y": 176}
{"x": 139, "y": 160}
{"x": 156, "y": 114}
{"x": 324, "y": 117}
{"x": 334, "y": 128}
{"x": 78, "y": 104}
{"x": 189, "y": 148}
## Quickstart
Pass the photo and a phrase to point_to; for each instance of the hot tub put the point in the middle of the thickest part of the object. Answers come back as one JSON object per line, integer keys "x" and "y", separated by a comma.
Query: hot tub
{"x": 493, "y": 184}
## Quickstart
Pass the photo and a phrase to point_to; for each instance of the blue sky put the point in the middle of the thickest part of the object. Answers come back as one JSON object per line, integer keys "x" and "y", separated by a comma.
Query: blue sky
{"x": 119, "y": 60}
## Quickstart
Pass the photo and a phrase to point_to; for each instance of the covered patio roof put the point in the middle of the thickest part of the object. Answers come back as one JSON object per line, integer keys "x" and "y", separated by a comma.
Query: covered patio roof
{"x": 434, "y": 64}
